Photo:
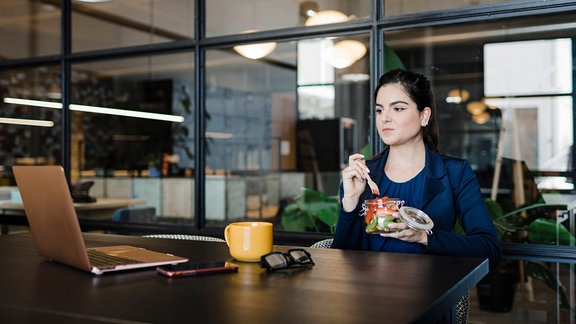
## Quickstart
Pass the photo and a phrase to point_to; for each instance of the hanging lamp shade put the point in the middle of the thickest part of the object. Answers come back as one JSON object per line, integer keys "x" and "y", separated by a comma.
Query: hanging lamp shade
{"x": 346, "y": 53}
{"x": 255, "y": 51}
{"x": 326, "y": 17}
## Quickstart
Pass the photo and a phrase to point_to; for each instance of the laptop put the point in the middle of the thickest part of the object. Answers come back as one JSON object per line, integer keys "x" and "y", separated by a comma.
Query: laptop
{"x": 56, "y": 231}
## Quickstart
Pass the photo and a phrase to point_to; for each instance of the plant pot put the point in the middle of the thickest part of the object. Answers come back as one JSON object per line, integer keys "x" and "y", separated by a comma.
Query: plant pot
{"x": 496, "y": 292}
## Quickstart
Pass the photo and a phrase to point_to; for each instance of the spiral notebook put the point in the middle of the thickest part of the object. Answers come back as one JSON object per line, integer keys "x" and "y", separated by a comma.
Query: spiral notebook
{"x": 54, "y": 225}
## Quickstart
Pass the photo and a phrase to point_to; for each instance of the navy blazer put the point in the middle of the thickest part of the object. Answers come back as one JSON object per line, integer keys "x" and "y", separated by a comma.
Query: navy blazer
{"x": 450, "y": 191}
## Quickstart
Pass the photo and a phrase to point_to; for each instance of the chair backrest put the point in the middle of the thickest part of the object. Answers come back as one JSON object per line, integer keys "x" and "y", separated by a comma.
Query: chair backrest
{"x": 462, "y": 309}
{"x": 323, "y": 244}
{"x": 186, "y": 237}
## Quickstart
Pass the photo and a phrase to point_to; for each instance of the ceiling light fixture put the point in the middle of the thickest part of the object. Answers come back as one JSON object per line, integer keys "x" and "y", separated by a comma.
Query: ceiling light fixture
{"x": 324, "y": 17}
{"x": 126, "y": 113}
{"x": 346, "y": 53}
{"x": 457, "y": 96}
{"x": 355, "y": 77}
{"x": 219, "y": 135}
{"x": 27, "y": 122}
{"x": 308, "y": 8}
{"x": 93, "y": 1}
{"x": 96, "y": 110}
{"x": 33, "y": 103}
{"x": 255, "y": 51}
{"x": 481, "y": 118}
{"x": 475, "y": 107}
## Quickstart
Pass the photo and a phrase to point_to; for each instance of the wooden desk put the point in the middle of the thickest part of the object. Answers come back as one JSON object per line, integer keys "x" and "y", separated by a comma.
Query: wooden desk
{"x": 343, "y": 287}
{"x": 101, "y": 209}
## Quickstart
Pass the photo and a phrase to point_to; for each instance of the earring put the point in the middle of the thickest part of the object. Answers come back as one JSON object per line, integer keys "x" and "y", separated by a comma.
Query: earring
{"x": 424, "y": 124}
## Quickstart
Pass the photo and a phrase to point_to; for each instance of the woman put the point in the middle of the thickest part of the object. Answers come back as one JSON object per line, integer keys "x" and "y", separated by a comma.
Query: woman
{"x": 411, "y": 168}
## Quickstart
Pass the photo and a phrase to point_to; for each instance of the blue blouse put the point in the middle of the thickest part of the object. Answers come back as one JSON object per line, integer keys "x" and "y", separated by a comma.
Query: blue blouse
{"x": 408, "y": 191}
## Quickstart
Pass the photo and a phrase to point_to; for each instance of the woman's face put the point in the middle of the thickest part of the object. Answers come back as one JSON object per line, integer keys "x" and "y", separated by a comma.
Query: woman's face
{"x": 397, "y": 117}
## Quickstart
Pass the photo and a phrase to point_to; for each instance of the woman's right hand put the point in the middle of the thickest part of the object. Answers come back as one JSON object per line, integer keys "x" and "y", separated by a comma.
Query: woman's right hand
{"x": 353, "y": 181}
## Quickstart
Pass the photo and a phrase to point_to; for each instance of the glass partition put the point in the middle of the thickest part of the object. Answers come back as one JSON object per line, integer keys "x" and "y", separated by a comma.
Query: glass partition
{"x": 30, "y": 119}
{"x": 130, "y": 23}
{"x": 504, "y": 96}
{"x": 31, "y": 28}
{"x": 400, "y": 7}
{"x": 279, "y": 126}
{"x": 132, "y": 131}
{"x": 224, "y": 17}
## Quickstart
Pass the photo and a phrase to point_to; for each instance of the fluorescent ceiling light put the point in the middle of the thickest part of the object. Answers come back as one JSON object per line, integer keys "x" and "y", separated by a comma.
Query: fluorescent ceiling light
{"x": 96, "y": 110}
{"x": 127, "y": 113}
{"x": 27, "y": 122}
{"x": 355, "y": 77}
{"x": 219, "y": 135}
{"x": 457, "y": 96}
{"x": 34, "y": 103}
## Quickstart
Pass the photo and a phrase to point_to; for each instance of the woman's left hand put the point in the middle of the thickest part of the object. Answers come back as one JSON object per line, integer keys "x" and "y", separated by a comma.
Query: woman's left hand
{"x": 405, "y": 233}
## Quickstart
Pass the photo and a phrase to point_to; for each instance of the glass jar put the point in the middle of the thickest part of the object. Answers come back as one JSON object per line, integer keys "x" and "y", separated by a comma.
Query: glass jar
{"x": 379, "y": 212}
{"x": 416, "y": 219}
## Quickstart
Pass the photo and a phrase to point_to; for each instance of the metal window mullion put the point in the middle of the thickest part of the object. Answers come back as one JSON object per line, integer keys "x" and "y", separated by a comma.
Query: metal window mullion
{"x": 65, "y": 67}
{"x": 200, "y": 123}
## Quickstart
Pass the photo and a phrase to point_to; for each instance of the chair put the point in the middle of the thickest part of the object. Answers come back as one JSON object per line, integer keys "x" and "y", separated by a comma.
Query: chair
{"x": 186, "y": 237}
{"x": 462, "y": 309}
{"x": 462, "y": 305}
{"x": 324, "y": 244}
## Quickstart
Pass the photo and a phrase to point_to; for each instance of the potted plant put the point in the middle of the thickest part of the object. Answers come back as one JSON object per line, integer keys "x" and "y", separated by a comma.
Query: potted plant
{"x": 311, "y": 210}
{"x": 535, "y": 224}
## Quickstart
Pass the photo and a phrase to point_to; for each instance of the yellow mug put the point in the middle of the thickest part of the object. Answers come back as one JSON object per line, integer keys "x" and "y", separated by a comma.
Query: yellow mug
{"x": 248, "y": 241}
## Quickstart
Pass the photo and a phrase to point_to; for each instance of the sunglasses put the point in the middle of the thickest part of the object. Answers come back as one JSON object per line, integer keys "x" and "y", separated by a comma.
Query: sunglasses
{"x": 293, "y": 258}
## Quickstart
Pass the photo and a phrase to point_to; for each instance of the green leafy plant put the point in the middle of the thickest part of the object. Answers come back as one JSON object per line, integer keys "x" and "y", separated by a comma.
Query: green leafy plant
{"x": 311, "y": 211}
{"x": 533, "y": 224}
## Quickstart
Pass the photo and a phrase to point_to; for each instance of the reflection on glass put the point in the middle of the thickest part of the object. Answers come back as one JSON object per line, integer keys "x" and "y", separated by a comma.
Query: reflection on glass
{"x": 115, "y": 24}
{"x": 325, "y": 17}
{"x": 225, "y": 17}
{"x": 537, "y": 130}
{"x": 133, "y": 127}
{"x": 489, "y": 102}
{"x": 31, "y": 28}
{"x": 251, "y": 105}
{"x": 255, "y": 51}
{"x": 265, "y": 113}
{"x": 32, "y": 131}
{"x": 400, "y": 7}
{"x": 316, "y": 102}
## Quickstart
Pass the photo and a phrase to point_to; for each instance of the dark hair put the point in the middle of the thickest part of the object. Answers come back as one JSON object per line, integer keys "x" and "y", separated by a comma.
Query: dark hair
{"x": 418, "y": 88}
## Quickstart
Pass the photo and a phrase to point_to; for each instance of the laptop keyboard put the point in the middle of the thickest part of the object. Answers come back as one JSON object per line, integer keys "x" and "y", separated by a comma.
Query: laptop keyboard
{"x": 100, "y": 259}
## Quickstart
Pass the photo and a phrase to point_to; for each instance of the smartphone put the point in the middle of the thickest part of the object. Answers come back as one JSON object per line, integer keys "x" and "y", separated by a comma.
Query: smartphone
{"x": 192, "y": 268}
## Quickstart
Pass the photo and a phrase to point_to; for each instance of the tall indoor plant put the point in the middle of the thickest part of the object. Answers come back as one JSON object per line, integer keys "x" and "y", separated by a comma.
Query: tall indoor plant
{"x": 534, "y": 224}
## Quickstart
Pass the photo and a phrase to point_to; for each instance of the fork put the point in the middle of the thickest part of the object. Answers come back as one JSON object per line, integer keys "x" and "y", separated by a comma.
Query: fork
{"x": 373, "y": 185}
